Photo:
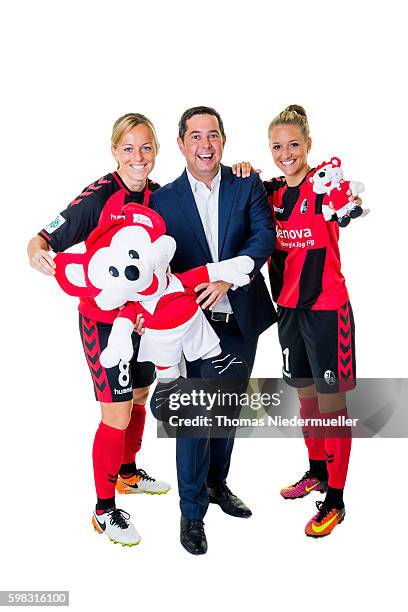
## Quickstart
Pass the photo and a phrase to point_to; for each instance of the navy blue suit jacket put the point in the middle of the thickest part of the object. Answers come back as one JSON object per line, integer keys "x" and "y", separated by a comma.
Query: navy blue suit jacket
{"x": 245, "y": 227}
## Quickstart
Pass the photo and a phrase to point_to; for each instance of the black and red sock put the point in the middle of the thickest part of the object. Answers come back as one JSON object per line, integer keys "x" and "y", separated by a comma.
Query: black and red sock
{"x": 104, "y": 505}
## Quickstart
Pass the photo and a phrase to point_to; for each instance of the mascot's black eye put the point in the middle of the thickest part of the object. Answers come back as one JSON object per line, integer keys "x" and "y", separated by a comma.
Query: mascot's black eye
{"x": 113, "y": 271}
{"x": 133, "y": 254}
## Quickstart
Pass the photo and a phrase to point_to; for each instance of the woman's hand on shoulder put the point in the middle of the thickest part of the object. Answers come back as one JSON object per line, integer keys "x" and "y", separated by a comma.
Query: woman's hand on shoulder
{"x": 39, "y": 256}
{"x": 244, "y": 169}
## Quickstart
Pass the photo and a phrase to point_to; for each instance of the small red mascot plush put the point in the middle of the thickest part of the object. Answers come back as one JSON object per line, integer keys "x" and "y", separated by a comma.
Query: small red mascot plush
{"x": 328, "y": 179}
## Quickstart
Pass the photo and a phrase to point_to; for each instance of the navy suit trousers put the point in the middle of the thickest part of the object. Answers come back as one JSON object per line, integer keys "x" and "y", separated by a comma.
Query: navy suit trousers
{"x": 204, "y": 461}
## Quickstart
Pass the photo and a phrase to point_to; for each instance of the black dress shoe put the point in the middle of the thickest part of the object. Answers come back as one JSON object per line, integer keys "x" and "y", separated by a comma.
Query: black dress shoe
{"x": 229, "y": 503}
{"x": 192, "y": 536}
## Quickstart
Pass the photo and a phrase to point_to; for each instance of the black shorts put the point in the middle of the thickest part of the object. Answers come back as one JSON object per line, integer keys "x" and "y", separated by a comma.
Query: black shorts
{"x": 113, "y": 384}
{"x": 318, "y": 347}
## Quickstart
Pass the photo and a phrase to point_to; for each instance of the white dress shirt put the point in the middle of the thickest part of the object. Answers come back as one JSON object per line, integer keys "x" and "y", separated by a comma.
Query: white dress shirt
{"x": 207, "y": 205}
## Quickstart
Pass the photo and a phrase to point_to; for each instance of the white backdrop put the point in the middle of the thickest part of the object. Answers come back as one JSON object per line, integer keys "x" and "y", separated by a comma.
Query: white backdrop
{"x": 69, "y": 71}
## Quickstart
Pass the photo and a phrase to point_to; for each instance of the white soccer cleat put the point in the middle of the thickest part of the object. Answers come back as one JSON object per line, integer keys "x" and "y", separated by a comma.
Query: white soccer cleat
{"x": 117, "y": 526}
{"x": 141, "y": 483}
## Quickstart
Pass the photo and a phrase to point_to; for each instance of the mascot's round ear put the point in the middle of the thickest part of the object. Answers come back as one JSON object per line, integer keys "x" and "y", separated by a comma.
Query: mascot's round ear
{"x": 335, "y": 161}
{"x": 322, "y": 165}
{"x": 70, "y": 275}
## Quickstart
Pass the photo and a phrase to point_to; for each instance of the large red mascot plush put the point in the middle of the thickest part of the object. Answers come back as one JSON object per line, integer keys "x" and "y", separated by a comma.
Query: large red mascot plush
{"x": 126, "y": 264}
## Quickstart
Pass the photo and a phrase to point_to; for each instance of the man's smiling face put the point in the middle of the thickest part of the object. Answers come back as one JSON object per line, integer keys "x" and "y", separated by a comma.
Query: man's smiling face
{"x": 202, "y": 146}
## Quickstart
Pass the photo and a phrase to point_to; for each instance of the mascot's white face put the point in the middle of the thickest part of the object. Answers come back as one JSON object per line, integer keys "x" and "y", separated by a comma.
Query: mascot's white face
{"x": 326, "y": 178}
{"x": 130, "y": 265}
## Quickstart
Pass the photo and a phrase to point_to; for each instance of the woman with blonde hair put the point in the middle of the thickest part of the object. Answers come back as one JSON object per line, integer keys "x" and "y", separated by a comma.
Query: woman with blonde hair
{"x": 315, "y": 319}
{"x": 123, "y": 390}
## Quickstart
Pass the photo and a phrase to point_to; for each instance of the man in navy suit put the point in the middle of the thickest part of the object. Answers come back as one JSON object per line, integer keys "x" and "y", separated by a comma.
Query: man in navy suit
{"x": 214, "y": 215}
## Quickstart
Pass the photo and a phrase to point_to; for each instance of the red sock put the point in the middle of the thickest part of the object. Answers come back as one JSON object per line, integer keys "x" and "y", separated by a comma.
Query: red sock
{"x": 337, "y": 448}
{"x": 107, "y": 456}
{"x": 134, "y": 433}
{"x": 309, "y": 409}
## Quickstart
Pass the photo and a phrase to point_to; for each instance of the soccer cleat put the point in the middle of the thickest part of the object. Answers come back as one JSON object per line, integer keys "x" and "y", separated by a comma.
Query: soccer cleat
{"x": 141, "y": 483}
{"x": 117, "y": 526}
{"x": 304, "y": 486}
{"x": 323, "y": 523}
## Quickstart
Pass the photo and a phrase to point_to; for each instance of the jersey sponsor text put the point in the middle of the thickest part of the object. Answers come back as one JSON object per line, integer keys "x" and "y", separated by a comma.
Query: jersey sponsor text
{"x": 305, "y": 232}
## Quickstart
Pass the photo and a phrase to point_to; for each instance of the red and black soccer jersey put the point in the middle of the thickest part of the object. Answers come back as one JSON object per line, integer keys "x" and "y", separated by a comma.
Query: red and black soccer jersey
{"x": 305, "y": 268}
{"x": 102, "y": 201}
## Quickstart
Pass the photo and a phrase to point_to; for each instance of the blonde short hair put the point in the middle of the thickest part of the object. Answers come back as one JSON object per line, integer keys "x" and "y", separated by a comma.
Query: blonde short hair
{"x": 128, "y": 122}
{"x": 292, "y": 115}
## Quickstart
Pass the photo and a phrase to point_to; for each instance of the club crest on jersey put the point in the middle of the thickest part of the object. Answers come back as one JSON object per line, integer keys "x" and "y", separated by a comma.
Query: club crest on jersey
{"x": 329, "y": 377}
{"x": 303, "y": 206}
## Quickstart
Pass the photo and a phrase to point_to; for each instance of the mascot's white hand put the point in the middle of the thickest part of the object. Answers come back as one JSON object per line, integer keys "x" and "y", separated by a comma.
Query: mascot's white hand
{"x": 327, "y": 212}
{"x": 120, "y": 346}
{"x": 356, "y": 188}
{"x": 235, "y": 271}
{"x": 109, "y": 357}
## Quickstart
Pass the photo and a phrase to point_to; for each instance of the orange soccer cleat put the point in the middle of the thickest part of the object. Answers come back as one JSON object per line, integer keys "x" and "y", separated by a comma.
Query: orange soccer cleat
{"x": 323, "y": 523}
{"x": 141, "y": 482}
